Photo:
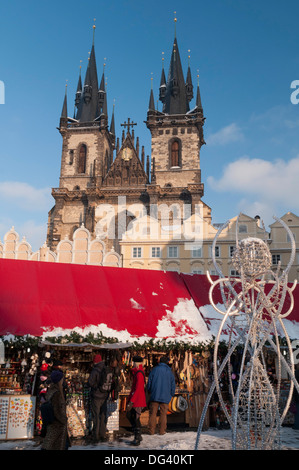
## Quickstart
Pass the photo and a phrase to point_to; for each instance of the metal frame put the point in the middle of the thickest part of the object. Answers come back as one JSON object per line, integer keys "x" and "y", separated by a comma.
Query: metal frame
{"x": 253, "y": 312}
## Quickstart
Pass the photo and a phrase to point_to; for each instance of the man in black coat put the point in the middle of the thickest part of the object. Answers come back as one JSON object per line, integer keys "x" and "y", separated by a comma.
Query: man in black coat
{"x": 99, "y": 397}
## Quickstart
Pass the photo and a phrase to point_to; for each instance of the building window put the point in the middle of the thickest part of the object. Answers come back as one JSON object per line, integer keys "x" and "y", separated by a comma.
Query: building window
{"x": 275, "y": 259}
{"x": 137, "y": 252}
{"x": 82, "y": 159}
{"x": 173, "y": 252}
{"x": 197, "y": 271}
{"x": 175, "y": 154}
{"x": 231, "y": 250}
{"x": 243, "y": 228}
{"x": 196, "y": 252}
{"x": 217, "y": 251}
{"x": 234, "y": 273}
{"x": 156, "y": 252}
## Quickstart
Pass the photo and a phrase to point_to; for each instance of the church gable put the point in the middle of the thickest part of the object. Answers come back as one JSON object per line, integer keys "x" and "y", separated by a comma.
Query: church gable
{"x": 127, "y": 169}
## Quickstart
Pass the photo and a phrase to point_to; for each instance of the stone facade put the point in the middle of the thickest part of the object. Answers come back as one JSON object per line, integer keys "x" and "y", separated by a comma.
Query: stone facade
{"x": 106, "y": 192}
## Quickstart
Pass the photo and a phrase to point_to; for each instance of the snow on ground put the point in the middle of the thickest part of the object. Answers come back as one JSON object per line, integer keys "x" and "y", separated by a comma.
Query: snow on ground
{"x": 213, "y": 439}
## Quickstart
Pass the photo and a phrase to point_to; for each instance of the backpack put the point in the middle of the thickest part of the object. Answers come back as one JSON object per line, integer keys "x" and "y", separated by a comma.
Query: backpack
{"x": 47, "y": 412}
{"x": 106, "y": 380}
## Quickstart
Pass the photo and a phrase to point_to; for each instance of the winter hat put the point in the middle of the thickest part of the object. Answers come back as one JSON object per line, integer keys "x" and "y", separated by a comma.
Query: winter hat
{"x": 138, "y": 359}
{"x": 97, "y": 359}
{"x": 56, "y": 376}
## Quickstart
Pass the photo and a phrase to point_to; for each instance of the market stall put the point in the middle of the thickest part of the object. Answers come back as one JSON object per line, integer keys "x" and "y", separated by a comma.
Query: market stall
{"x": 154, "y": 312}
{"x": 18, "y": 368}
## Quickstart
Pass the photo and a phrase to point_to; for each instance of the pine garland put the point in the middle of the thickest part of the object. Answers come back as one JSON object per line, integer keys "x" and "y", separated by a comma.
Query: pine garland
{"x": 163, "y": 345}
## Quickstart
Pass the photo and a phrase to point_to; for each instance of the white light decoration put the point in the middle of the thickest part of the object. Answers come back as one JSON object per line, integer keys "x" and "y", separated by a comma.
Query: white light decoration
{"x": 254, "y": 305}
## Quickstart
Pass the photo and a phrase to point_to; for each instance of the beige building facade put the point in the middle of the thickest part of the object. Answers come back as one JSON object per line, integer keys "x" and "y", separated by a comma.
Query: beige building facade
{"x": 150, "y": 244}
{"x": 187, "y": 248}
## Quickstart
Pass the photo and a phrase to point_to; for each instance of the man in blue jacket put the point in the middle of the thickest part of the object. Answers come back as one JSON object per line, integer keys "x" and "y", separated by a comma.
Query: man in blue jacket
{"x": 161, "y": 386}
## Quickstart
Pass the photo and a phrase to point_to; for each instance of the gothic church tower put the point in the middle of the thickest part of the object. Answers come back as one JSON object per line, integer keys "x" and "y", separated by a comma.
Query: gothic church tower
{"x": 87, "y": 154}
{"x": 91, "y": 177}
{"x": 177, "y": 136}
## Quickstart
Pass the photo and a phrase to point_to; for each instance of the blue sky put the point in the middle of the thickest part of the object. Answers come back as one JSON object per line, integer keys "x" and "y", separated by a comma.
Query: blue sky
{"x": 247, "y": 55}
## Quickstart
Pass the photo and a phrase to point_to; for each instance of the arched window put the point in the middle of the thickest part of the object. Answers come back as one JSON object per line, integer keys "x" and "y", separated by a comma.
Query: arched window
{"x": 175, "y": 154}
{"x": 82, "y": 159}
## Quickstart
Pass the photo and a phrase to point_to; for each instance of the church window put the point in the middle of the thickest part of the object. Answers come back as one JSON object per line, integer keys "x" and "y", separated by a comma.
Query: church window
{"x": 82, "y": 159}
{"x": 175, "y": 154}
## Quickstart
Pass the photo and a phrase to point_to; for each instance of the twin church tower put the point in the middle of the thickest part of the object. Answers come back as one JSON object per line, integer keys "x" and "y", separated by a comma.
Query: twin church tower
{"x": 98, "y": 168}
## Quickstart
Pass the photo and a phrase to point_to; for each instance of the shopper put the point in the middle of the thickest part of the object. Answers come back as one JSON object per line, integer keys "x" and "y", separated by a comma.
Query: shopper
{"x": 100, "y": 383}
{"x": 161, "y": 386}
{"x": 56, "y": 437}
{"x": 136, "y": 400}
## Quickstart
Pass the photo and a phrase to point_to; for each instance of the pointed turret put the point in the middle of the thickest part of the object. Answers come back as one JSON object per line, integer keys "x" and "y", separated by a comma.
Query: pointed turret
{"x": 162, "y": 89}
{"x": 79, "y": 90}
{"x": 63, "y": 117}
{"x": 189, "y": 85}
{"x": 101, "y": 92}
{"x": 151, "y": 105}
{"x": 198, "y": 97}
{"x": 112, "y": 124}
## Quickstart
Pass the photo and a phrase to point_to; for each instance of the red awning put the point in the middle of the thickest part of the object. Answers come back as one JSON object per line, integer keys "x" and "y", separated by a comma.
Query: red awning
{"x": 37, "y": 296}
{"x": 43, "y": 299}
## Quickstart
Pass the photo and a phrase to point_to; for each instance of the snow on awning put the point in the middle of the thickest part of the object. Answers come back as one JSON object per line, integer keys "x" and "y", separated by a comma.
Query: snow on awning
{"x": 50, "y": 299}
{"x": 53, "y": 299}
{"x": 199, "y": 285}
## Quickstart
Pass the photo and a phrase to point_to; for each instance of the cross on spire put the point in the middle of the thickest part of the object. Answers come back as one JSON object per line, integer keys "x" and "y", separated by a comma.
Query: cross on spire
{"x": 129, "y": 124}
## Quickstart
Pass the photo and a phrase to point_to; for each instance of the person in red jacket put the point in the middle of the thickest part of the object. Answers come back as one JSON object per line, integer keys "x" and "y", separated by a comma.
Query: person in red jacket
{"x": 136, "y": 400}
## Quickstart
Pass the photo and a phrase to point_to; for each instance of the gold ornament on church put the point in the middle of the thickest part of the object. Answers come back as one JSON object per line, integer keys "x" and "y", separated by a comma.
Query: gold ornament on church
{"x": 127, "y": 154}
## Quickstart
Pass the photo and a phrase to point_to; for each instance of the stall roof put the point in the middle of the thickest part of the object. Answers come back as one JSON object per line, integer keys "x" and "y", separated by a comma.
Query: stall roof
{"x": 50, "y": 299}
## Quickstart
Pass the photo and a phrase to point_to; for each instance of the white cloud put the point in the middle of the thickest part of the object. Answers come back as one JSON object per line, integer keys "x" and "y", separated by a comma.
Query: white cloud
{"x": 226, "y": 135}
{"x": 263, "y": 185}
{"x": 25, "y": 196}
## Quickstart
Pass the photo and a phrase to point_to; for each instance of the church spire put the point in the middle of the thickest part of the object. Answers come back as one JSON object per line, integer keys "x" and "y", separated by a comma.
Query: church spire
{"x": 175, "y": 95}
{"x": 88, "y": 108}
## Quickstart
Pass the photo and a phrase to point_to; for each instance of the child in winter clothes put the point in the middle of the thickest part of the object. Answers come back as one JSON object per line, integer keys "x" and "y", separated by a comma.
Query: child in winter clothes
{"x": 137, "y": 400}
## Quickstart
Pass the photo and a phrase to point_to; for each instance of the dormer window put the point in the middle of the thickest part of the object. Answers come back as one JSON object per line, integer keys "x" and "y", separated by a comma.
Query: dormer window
{"x": 82, "y": 159}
